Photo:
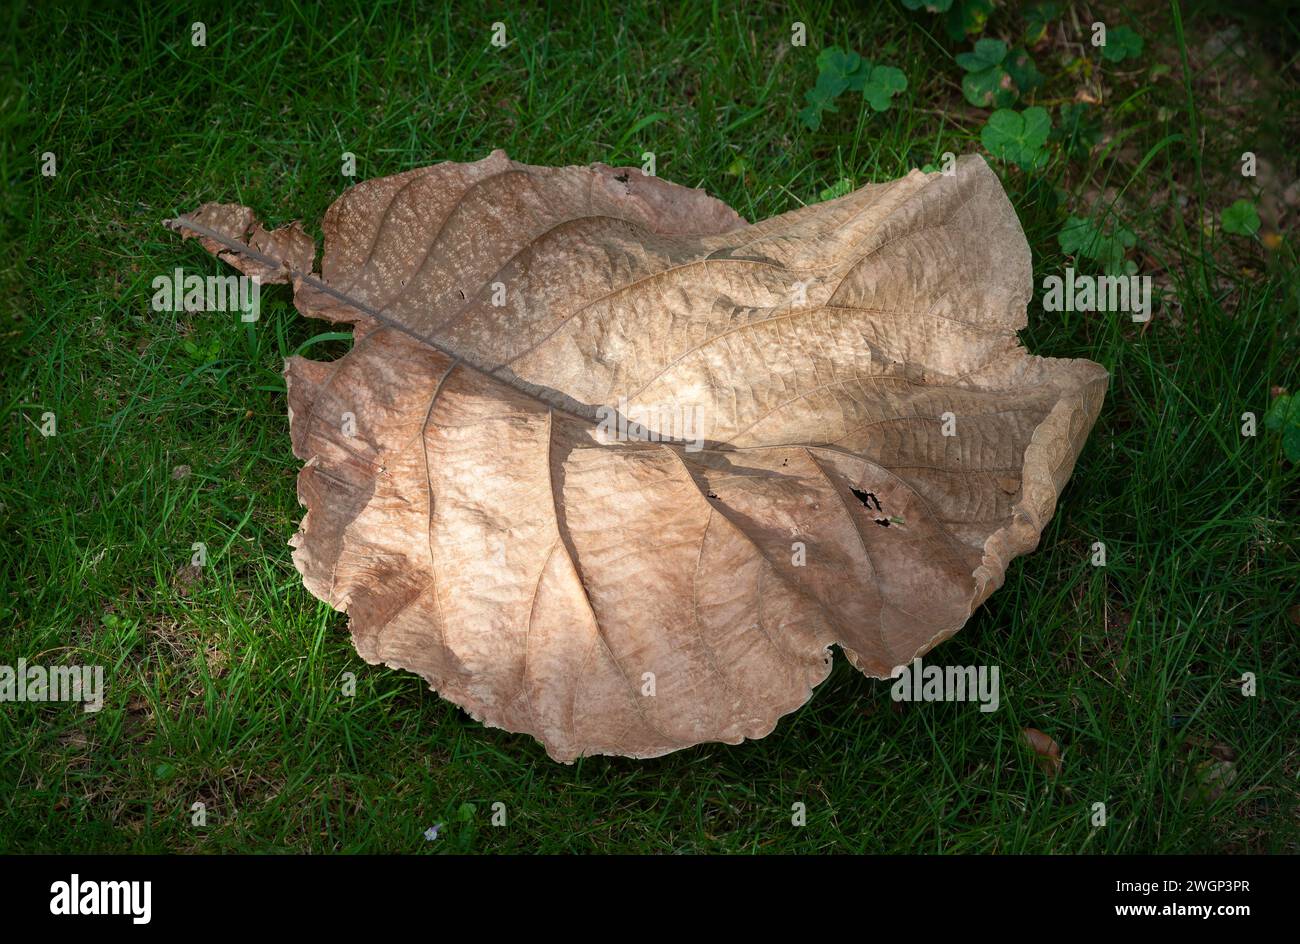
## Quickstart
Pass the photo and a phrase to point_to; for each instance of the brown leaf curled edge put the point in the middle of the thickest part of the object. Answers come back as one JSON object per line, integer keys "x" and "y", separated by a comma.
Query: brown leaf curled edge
{"x": 841, "y": 440}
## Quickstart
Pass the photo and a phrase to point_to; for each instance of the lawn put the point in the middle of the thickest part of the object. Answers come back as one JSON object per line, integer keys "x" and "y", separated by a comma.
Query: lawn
{"x": 225, "y": 683}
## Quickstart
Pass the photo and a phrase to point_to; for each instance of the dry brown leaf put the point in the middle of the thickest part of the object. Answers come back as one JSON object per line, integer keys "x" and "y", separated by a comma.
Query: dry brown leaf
{"x": 1047, "y": 753}
{"x": 479, "y": 529}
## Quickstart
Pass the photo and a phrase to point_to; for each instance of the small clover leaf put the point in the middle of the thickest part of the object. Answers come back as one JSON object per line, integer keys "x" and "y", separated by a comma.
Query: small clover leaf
{"x": 987, "y": 84}
{"x": 1283, "y": 417}
{"x": 842, "y": 70}
{"x": 820, "y": 98}
{"x": 883, "y": 83}
{"x": 1121, "y": 43}
{"x": 1077, "y": 236}
{"x": 1084, "y": 238}
{"x": 1019, "y": 137}
{"x": 1240, "y": 219}
{"x": 837, "y": 70}
{"x": 1022, "y": 70}
{"x": 987, "y": 53}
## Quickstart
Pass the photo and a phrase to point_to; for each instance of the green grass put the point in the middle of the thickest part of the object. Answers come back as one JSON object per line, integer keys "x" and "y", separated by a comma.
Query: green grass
{"x": 226, "y": 689}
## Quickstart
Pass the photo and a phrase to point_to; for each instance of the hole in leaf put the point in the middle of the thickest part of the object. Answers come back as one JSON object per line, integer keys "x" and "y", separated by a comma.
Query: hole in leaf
{"x": 868, "y": 499}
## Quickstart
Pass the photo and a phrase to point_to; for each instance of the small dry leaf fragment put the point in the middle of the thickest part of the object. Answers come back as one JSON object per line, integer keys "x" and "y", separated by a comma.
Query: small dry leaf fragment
{"x": 1211, "y": 776}
{"x": 1047, "y": 753}
{"x": 595, "y": 464}
{"x": 216, "y": 660}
